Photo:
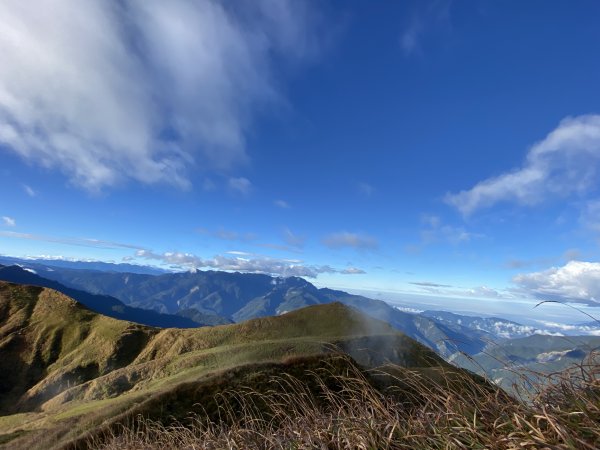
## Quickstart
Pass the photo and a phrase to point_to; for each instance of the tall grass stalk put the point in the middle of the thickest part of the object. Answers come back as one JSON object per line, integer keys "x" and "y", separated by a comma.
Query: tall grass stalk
{"x": 349, "y": 412}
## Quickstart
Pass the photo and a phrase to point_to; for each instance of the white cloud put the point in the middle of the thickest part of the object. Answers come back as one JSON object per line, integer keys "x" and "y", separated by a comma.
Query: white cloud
{"x": 9, "y": 221}
{"x": 240, "y": 185}
{"x": 29, "y": 190}
{"x": 353, "y": 240}
{"x": 255, "y": 264}
{"x": 142, "y": 90}
{"x": 436, "y": 231}
{"x": 293, "y": 239}
{"x": 81, "y": 242}
{"x": 576, "y": 281}
{"x": 449, "y": 290}
{"x": 563, "y": 164}
{"x": 281, "y": 204}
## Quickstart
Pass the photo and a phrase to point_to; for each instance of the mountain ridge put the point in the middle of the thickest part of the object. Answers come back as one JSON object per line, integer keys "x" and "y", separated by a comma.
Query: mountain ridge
{"x": 63, "y": 362}
{"x": 241, "y": 296}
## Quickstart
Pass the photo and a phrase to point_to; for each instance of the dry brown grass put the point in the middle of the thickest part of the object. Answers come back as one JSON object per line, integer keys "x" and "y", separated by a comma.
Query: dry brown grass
{"x": 351, "y": 413}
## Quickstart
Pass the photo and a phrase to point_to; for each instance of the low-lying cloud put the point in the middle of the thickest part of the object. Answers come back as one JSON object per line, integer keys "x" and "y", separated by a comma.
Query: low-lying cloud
{"x": 243, "y": 263}
{"x": 77, "y": 241}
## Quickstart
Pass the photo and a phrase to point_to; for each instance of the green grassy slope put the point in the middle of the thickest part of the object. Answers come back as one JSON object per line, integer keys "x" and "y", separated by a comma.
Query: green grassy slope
{"x": 65, "y": 370}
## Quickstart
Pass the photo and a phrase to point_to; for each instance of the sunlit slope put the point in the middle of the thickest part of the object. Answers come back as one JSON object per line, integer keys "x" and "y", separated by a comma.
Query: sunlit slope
{"x": 51, "y": 344}
{"x": 60, "y": 362}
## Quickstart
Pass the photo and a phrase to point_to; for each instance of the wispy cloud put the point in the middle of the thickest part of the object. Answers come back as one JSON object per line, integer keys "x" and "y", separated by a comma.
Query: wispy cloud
{"x": 281, "y": 204}
{"x": 365, "y": 189}
{"x": 9, "y": 221}
{"x": 186, "y": 77}
{"x": 83, "y": 242}
{"x": 240, "y": 185}
{"x": 429, "y": 284}
{"x": 228, "y": 235}
{"x": 241, "y": 263}
{"x": 435, "y": 231}
{"x": 576, "y": 281}
{"x": 29, "y": 190}
{"x": 429, "y": 16}
{"x": 456, "y": 291}
{"x": 568, "y": 255}
{"x": 352, "y": 271}
{"x": 563, "y": 164}
{"x": 344, "y": 239}
{"x": 409, "y": 40}
{"x": 293, "y": 239}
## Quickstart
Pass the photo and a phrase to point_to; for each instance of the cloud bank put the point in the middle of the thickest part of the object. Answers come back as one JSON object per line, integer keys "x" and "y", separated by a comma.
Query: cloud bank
{"x": 576, "y": 281}
{"x": 563, "y": 164}
{"x": 240, "y": 263}
{"x": 142, "y": 90}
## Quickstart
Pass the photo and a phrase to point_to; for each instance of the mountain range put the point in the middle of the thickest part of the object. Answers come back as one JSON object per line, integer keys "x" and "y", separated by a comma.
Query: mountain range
{"x": 214, "y": 297}
{"x": 66, "y": 370}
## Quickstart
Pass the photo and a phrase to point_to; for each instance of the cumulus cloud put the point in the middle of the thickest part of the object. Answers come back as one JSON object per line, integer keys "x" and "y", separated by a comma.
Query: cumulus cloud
{"x": 576, "y": 281}
{"x": 253, "y": 264}
{"x": 345, "y": 239}
{"x": 564, "y": 163}
{"x": 9, "y": 221}
{"x": 142, "y": 90}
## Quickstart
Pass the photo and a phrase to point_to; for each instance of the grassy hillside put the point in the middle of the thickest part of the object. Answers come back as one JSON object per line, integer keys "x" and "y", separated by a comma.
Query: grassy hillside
{"x": 66, "y": 370}
{"x": 105, "y": 304}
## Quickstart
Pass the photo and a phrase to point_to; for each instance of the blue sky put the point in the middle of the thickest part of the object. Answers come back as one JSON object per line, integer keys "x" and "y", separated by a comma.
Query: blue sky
{"x": 445, "y": 148}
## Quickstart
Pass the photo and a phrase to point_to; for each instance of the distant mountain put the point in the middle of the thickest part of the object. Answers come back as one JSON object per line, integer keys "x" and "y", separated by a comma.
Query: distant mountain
{"x": 105, "y": 304}
{"x": 243, "y": 296}
{"x": 65, "y": 369}
{"x": 48, "y": 264}
{"x": 495, "y": 326}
